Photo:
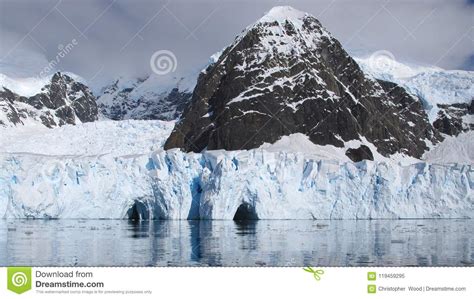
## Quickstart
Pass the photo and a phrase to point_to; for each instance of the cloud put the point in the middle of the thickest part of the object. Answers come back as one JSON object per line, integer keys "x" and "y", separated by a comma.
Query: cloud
{"x": 468, "y": 63}
{"x": 119, "y": 37}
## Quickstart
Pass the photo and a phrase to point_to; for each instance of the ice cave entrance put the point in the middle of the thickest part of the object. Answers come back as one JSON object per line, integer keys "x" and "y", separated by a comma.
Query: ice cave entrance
{"x": 139, "y": 211}
{"x": 245, "y": 212}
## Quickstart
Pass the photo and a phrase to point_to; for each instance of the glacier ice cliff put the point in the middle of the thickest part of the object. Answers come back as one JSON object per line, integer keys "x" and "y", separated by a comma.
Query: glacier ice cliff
{"x": 218, "y": 185}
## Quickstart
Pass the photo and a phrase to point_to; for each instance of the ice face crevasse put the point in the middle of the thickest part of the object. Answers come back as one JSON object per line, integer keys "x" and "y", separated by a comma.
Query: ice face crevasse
{"x": 223, "y": 185}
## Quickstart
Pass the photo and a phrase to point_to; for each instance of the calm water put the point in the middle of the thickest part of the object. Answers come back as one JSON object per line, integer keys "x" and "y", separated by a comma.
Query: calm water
{"x": 228, "y": 243}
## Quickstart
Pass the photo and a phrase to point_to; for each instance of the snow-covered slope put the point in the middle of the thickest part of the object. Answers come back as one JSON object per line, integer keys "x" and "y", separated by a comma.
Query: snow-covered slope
{"x": 54, "y": 101}
{"x": 458, "y": 149}
{"x": 435, "y": 86}
{"x": 152, "y": 97}
{"x": 114, "y": 138}
{"x": 30, "y": 86}
{"x": 300, "y": 143}
{"x": 27, "y": 87}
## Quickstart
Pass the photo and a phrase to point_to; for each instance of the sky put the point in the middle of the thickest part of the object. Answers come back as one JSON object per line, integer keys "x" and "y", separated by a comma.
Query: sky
{"x": 102, "y": 39}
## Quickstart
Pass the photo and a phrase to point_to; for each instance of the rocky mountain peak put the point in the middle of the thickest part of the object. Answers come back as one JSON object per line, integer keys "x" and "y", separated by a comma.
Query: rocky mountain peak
{"x": 283, "y": 30}
{"x": 286, "y": 74}
{"x": 287, "y": 17}
{"x": 147, "y": 98}
{"x": 63, "y": 100}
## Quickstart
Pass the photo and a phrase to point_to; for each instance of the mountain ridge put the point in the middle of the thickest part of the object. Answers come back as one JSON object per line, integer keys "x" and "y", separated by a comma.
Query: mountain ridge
{"x": 63, "y": 100}
{"x": 293, "y": 67}
{"x": 447, "y": 95}
{"x": 145, "y": 98}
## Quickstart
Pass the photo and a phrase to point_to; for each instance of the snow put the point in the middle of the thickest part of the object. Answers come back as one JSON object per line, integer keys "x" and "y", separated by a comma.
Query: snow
{"x": 468, "y": 119}
{"x": 214, "y": 58}
{"x": 276, "y": 37}
{"x": 389, "y": 68}
{"x": 156, "y": 84}
{"x": 277, "y": 44}
{"x": 88, "y": 139}
{"x": 28, "y": 114}
{"x": 282, "y": 14}
{"x": 30, "y": 86}
{"x": 300, "y": 143}
{"x": 24, "y": 86}
{"x": 132, "y": 97}
{"x": 432, "y": 84}
{"x": 458, "y": 149}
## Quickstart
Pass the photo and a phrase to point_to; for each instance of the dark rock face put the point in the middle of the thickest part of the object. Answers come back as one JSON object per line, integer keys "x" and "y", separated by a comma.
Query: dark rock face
{"x": 129, "y": 102}
{"x": 7, "y": 108}
{"x": 359, "y": 154}
{"x": 63, "y": 101}
{"x": 171, "y": 107}
{"x": 450, "y": 118}
{"x": 285, "y": 76}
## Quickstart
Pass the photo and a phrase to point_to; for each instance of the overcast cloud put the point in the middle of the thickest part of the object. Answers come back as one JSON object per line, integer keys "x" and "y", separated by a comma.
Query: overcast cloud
{"x": 119, "y": 37}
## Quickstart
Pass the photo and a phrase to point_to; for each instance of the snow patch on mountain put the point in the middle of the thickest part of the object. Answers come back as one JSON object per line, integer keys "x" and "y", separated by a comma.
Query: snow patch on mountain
{"x": 23, "y": 86}
{"x": 30, "y": 86}
{"x": 459, "y": 149}
{"x": 62, "y": 100}
{"x": 283, "y": 13}
{"x": 300, "y": 143}
{"x": 151, "y": 97}
{"x": 431, "y": 84}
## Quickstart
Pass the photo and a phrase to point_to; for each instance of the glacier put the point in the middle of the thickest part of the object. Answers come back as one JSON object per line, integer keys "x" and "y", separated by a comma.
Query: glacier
{"x": 216, "y": 184}
{"x": 433, "y": 85}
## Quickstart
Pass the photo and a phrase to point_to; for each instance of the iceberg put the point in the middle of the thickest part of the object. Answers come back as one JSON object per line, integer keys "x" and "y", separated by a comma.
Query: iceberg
{"x": 253, "y": 184}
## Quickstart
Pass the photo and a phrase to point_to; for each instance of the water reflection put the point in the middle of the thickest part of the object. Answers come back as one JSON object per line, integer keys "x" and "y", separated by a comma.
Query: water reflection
{"x": 236, "y": 243}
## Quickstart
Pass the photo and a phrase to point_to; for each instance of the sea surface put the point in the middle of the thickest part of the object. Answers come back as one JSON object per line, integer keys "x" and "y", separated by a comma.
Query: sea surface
{"x": 231, "y": 243}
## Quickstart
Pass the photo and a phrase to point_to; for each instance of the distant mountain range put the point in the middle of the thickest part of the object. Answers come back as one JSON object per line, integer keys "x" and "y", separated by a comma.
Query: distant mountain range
{"x": 146, "y": 98}
{"x": 61, "y": 101}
